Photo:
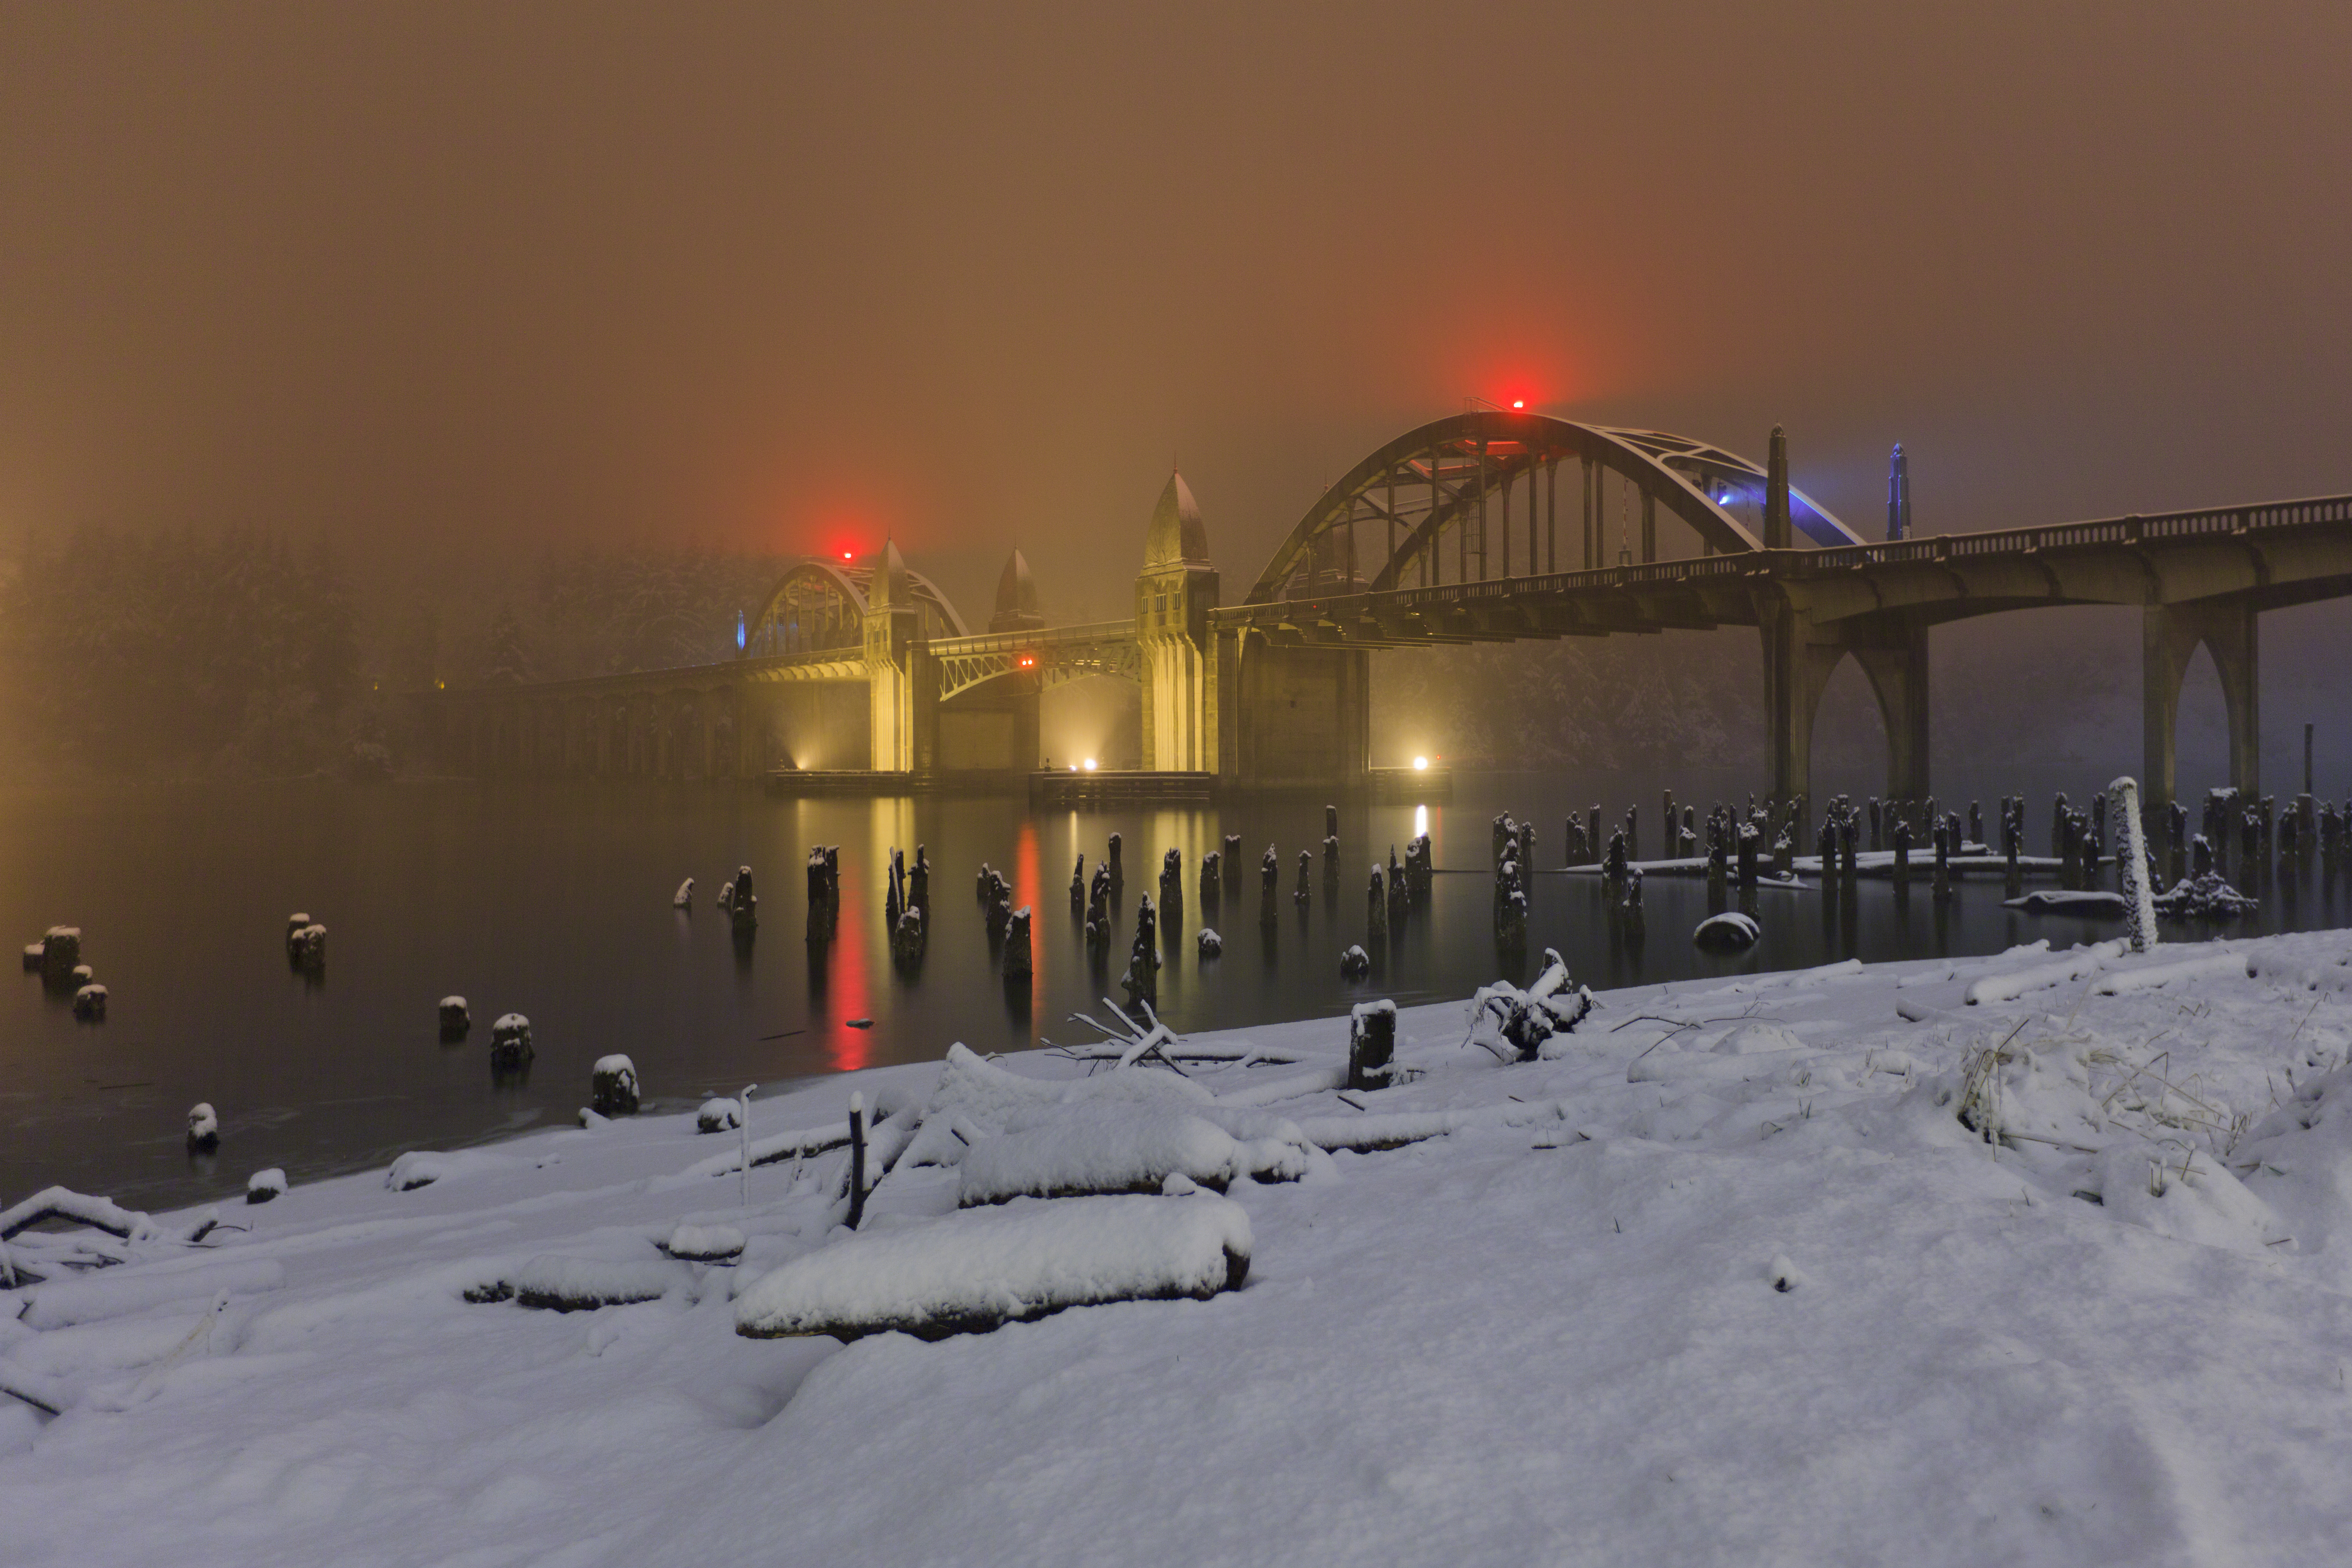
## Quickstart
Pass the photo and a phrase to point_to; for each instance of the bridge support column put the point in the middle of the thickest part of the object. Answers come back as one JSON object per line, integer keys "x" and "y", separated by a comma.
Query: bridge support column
{"x": 902, "y": 680}
{"x": 2169, "y": 638}
{"x": 1800, "y": 657}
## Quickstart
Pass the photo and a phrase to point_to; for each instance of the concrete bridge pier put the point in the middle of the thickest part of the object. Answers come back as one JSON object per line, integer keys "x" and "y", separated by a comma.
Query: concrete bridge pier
{"x": 1800, "y": 653}
{"x": 2169, "y": 638}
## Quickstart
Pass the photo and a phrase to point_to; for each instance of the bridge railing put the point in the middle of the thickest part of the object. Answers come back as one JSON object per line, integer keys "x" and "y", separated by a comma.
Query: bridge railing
{"x": 1042, "y": 637}
{"x": 2208, "y": 521}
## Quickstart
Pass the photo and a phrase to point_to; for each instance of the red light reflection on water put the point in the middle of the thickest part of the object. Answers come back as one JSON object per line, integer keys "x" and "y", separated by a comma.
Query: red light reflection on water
{"x": 848, "y": 990}
{"x": 1026, "y": 888}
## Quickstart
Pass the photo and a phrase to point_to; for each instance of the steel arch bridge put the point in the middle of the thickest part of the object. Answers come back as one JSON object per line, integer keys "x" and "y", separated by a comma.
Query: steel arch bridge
{"x": 1483, "y": 526}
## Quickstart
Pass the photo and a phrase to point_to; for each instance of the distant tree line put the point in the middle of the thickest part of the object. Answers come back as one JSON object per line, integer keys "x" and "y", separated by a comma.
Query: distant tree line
{"x": 238, "y": 653}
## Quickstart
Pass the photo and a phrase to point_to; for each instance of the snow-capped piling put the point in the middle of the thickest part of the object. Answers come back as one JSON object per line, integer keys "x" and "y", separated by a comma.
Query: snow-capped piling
{"x": 684, "y": 898}
{"x": 262, "y": 1187}
{"x": 456, "y": 1022}
{"x": 1212, "y": 874}
{"x": 1098, "y": 915}
{"x": 822, "y": 872}
{"x": 1306, "y": 866}
{"x": 1232, "y": 862}
{"x": 745, "y": 911}
{"x": 1371, "y": 1043}
{"x": 306, "y": 948}
{"x": 1943, "y": 878}
{"x": 1632, "y": 924}
{"x": 1118, "y": 872}
{"x": 1212, "y": 945}
{"x": 1142, "y": 977}
{"x": 58, "y": 954}
{"x": 857, "y": 1160}
{"x": 1355, "y": 963}
{"x": 1376, "y": 909}
{"x": 2131, "y": 863}
{"x": 613, "y": 1086}
{"x": 1172, "y": 878}
{"x": 1902, "y": 857}
{"x": 511, "y": 1044}
{"x": 204, "y": 1129}
{"x": 90, "y": 1003}
{"x": 1078, "y": 885}
{"x": 1269, "y": 872}
{"x": 918, "y": 882}
{"x": 908, "y": 938}
{"x": 1018, "y": 961}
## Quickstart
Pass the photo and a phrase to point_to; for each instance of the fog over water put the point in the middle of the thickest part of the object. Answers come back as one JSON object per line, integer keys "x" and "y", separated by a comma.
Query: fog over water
{"x": 349, "y": 351}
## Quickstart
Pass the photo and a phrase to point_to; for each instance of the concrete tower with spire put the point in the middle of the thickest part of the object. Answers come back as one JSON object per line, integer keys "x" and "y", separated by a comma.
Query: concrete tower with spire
{"x": 1173, "y": 597}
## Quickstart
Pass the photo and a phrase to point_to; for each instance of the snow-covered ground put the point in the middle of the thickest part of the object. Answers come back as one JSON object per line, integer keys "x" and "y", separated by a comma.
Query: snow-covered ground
{"x": 1723, "y": 1277}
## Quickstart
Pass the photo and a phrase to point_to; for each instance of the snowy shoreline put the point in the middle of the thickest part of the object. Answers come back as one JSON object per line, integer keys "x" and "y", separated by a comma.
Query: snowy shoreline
{"x": 1731, "y": 1273}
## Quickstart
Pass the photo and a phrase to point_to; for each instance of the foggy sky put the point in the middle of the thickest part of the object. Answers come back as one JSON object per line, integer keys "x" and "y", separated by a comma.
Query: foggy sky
{"x": 442, "y": 279}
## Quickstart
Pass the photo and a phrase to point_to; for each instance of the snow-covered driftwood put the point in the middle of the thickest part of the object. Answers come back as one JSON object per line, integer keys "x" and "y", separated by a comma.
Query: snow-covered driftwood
{"x": 978, "y": 1269}
{"x": 1124, "y": 1148}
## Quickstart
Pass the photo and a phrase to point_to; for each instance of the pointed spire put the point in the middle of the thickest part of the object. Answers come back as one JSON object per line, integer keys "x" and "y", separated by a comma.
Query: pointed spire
{"x": 1776, "y": 532}
{"x": 888, "y": 588}
{"x": 1898, "y": 496}
{"x": 1177, "y": 536}
{"x": 1016, "y": 598}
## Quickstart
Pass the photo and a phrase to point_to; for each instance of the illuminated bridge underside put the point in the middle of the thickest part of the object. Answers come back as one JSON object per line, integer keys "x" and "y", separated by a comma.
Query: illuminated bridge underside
{"x": 1486, "y": 527}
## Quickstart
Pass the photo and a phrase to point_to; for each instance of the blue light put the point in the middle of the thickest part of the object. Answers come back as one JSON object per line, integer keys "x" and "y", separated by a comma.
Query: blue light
{"x": 738, "y": 632}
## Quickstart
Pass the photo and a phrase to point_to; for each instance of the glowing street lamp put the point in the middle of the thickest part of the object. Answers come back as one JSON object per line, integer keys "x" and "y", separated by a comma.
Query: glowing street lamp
{"x": 1090, "y": 765}
{"x": 1421, "y": 765}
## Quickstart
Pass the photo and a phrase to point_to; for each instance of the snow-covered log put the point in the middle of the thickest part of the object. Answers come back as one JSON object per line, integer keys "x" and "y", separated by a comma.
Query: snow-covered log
{"x": 1113, "y": 1148}
{"x": 456, "y": 1021}
{"x": 684, "y": 898}
{"x": 974, "y": 1271}
{"x": 577, "y": 1284}
{"x": 1730, "y": 932}
{"x": 90, "y": 1003}
{"x": 705, "y": 1243}
{"x": 263, "y": 1185}
{"x": 62, "y": 1203}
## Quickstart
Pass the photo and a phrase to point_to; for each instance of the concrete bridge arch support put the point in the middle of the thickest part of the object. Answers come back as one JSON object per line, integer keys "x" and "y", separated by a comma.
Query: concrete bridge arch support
{"x": 2169, "y": 638}
{"x": 1800, "y": 653}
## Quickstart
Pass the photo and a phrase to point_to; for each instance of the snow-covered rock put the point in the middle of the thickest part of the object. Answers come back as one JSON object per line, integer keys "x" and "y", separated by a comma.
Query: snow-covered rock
{"x": 721, "y": 1113}
{"x": 263, "y": 1185}
{"x": 90, "y": 1003}
{"x": 203, "y": 1127}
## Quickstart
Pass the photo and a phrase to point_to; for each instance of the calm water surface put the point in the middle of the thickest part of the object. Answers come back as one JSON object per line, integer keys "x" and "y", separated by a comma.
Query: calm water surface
{"x": 554, "y": 901}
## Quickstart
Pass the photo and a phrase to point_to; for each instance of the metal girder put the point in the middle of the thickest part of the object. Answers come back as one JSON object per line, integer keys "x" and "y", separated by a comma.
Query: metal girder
{"x": 1484, "y": 451}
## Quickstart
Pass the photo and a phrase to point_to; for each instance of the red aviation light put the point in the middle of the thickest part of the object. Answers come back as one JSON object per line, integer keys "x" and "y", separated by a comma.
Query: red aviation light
{"x": 1028, "y": 661}
{"x": 1518, "y": 404}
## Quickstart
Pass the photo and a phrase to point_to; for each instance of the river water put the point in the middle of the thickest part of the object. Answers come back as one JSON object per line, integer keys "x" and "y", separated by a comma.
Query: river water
{"x": 554, "y": 901}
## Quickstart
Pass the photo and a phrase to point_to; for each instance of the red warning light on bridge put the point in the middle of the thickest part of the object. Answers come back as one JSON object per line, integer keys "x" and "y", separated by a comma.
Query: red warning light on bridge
{"x": 1519, "y": 403}
{"x": 1028, "y": 661}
